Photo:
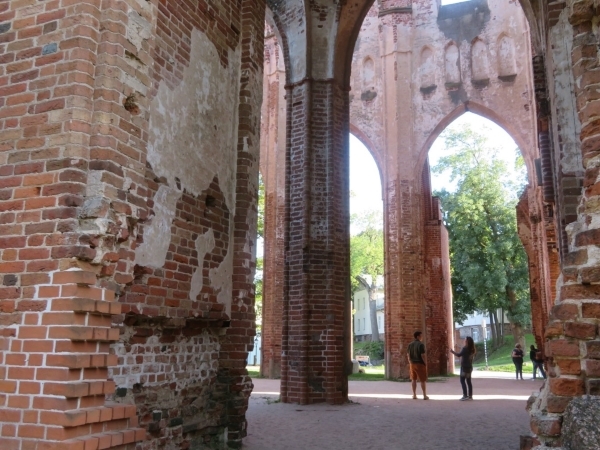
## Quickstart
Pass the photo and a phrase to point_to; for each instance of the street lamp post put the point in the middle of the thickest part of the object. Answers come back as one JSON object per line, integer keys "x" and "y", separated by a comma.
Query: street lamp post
{"x": 484, "y": 331}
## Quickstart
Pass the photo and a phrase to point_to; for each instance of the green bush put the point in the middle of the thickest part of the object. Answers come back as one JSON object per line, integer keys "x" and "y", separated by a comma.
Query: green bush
{"x": 373, "y": 349}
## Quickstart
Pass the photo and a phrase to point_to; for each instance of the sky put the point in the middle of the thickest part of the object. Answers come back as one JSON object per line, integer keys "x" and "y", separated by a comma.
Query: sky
{"x": 365, "y": 183}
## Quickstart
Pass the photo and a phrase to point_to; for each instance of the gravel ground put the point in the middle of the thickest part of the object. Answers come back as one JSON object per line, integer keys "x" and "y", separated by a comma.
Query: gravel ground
{"x": 383, "y": 415}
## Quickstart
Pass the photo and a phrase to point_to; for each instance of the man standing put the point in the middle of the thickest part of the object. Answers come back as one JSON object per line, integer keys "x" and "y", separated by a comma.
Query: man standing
{"x": 418, "y": 367}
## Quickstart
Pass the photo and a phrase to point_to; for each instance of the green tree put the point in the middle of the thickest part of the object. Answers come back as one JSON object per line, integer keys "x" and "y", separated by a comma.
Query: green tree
{"x": 488, "y": 262}
{"x": 258, "y": 275}
{"x": 260, "y": 225}
{"x": 366, "y": 259}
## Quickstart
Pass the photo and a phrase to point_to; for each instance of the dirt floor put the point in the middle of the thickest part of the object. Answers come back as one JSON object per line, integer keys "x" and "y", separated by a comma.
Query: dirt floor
{"x": 383, "y": 415}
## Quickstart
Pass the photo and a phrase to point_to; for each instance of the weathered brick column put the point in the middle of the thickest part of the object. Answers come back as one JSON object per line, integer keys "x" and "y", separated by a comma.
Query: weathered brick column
{"x": 126, "y": 268}
{"x": 272, "y": 163}
{"x": 572, "y": 336}
{"x": 317, "y": 258}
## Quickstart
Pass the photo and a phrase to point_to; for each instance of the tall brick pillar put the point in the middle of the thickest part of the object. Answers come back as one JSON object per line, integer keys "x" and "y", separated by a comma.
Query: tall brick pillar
{"x": 272, "y": 166}
{"x": 404, "y": 302}
{"x": 317, "y": 298}
{"x": 438, "y": 288}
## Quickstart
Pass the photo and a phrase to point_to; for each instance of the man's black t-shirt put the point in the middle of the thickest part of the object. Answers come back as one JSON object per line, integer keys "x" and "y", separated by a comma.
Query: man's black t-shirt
{"x": 415, "y": 351}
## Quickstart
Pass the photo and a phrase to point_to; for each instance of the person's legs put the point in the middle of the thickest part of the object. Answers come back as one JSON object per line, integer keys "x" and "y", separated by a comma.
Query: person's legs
{"x": 413, "y": 379}
{"x": 516, "y": 368}
{"x": 470, "y": 386}
{"x": 541, "y": 366}
{"x": 424, "y": 388}
{"x": 535, "y": 366}
{"x": 463, "y": 384}
{"x": 421, "y": 370}
{"x": 520, "y": 369}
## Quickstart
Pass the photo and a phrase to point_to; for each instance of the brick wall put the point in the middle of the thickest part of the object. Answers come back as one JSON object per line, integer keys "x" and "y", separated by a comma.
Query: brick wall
{"x": 572, "y": 331}
{"x": 79, "y": 198}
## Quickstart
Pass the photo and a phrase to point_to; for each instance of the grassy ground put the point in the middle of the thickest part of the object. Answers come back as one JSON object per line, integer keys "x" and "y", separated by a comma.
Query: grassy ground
{"x": 498, "y": 361}
{"x": 376, "y": 373}
{"x": 501, "y": 361}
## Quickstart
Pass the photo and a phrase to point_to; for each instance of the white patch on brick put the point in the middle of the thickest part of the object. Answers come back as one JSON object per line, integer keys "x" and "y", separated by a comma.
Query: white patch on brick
{"x": 157, "y": 234}
{"x": 204, "y": 244}
{"x": 193, "y": 137}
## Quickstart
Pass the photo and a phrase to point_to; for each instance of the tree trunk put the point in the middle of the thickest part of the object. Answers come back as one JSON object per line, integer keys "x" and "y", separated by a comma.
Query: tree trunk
{"x": 517, "y": 327}
{"x": 502, "y": 327}
{"x": 498, "y": 328}
{"x": 493, "y": 330}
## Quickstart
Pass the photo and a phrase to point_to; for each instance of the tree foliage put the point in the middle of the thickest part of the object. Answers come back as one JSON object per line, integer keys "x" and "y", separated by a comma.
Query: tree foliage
{"x": 489, "y": 264}
{"x": 258, "y": 276}
{"x": 366, "y": 259}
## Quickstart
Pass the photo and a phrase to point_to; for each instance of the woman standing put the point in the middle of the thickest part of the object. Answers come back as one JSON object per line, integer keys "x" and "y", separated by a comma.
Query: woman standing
{"x": 517, "y": 357}
{"x": 466, "y": 355}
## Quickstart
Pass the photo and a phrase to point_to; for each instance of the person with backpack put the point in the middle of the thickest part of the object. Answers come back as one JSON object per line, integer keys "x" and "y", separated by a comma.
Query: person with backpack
{"x": 466, "y": 355}
{"x": 537, "y": 360}
{"x": 517, "y": 357}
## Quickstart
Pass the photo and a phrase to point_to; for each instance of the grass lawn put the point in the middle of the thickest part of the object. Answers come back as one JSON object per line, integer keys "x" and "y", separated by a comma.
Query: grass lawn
{"x": 498, "y": 361}
{"x": 501, "y": 361}
{"x": 375, "y": 373}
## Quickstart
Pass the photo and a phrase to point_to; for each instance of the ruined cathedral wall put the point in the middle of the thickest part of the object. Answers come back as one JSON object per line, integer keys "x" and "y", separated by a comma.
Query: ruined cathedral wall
{"x": 367, "y": 94}
{"x": 128, "y": 176}
{"x": 466, "y": 57}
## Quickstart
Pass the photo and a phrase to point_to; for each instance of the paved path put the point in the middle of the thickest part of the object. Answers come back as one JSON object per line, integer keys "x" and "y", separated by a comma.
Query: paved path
{"x": 383, "y": 416}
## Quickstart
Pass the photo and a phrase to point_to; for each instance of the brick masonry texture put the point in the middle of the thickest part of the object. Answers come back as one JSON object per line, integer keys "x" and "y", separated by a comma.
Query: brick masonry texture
{"x": 129, "y": 158}
{"x": 93, "y": 335}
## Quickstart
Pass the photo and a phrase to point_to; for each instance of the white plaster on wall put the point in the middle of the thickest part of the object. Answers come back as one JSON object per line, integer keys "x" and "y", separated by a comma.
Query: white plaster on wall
{"x": 204, "y": 244}
{"x": 193, "y": 137}
{"x": 561, "y": 40}
{"x": 193, "y": 128}
{"x": 153, "y": 252}
{"x": 138, "y": 29}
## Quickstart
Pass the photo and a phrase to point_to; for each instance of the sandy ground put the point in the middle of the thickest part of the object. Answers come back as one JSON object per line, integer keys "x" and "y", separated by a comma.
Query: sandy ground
{"x": 383, "y": 415}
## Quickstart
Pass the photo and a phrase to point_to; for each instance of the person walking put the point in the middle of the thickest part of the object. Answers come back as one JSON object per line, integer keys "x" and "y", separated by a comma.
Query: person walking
{"x": 537, "y": 360}
{"x": 466, "y": 355}
{"x": 418, "y": 366}
{"x": 517, "y": 357}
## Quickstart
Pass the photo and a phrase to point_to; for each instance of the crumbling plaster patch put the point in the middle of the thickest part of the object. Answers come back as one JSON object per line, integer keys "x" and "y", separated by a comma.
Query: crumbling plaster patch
{"x": 193, "y": 137}
{"x": 153, "y": 251}
{"x": 568, "y": 125}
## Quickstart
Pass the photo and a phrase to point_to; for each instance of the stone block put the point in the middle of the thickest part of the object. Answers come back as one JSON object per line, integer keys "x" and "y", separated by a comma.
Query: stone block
{"x": 580, "y": 426}
{"x": 546, "y": 425}
{"x": 581, "y": 330}
{"x": 557, "y": 404}
{"x": 590, "y": 310}
{"x": 567, "y": 387}
{"x": 593, "y": 349}
{"x": 565, "y": 311}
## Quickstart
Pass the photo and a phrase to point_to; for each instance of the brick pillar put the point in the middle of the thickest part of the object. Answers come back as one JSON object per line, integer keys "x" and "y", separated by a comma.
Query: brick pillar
{"x": 55, "y": 318}
{"x": 403, "y": 198}
{"x": 438, "y": 289}
{"x": 532, "y": 229}
{"x": 572, "y": 336}
{"x": 405, "y": 308}
{"x": 273, "y": 129}
{"x": 317, "y": 304}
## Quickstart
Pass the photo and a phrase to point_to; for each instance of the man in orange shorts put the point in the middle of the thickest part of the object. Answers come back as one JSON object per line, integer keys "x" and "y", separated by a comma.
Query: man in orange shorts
{"x": 418, "y": 367}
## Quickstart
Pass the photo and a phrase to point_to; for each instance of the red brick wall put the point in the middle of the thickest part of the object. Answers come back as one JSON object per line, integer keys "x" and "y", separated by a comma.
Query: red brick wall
{"x": 315, "y": 320}
{"x": 76, "y": 87}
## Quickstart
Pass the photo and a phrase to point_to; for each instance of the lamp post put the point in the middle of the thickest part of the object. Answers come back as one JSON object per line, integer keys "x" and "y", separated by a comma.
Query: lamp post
{"x": 484, "y": 331}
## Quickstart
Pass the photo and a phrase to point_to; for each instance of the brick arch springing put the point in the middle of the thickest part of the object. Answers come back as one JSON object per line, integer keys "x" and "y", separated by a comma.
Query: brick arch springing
{"x": 485, "y": 112}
